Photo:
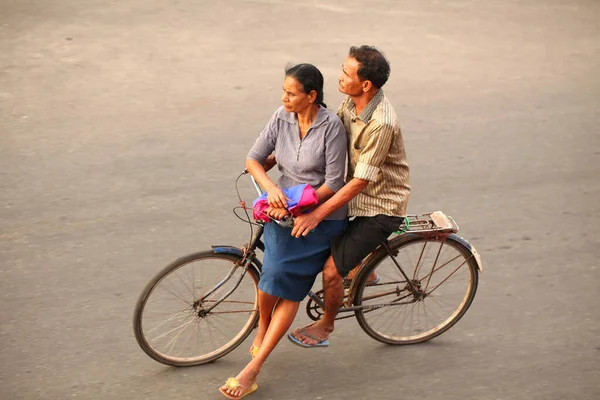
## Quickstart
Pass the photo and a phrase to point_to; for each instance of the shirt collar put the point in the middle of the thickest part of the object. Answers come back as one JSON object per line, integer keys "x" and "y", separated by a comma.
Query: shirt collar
{"x": 291, "y": 117}
{"x": 368, "y": 111}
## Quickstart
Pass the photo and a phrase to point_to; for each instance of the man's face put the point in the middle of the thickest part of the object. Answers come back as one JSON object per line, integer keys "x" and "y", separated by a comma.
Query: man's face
{"x": 349, "y": 83}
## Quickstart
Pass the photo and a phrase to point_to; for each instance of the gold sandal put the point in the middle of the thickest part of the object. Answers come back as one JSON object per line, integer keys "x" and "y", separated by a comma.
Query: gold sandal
{"x": 234, "y": 384}
{"x": 254, "y": 350}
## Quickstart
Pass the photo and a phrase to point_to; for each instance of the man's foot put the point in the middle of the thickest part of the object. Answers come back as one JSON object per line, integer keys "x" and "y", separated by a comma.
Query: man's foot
{"x": 241, "y": 385}
{"x": 371, "y": 280}
{"x": 313, "y": 335}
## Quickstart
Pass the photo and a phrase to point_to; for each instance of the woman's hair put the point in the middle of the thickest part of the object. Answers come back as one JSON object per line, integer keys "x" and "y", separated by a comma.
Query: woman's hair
{"x": 309, "y": 77}
{"x": 373, "y": 65}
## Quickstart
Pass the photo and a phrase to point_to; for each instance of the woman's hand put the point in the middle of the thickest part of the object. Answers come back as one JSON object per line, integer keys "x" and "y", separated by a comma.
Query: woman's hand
{"x": 276, "y": 198}
{"x": 277, "y": 213}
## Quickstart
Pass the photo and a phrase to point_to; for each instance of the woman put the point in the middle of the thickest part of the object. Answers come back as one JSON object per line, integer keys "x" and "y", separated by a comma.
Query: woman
{"x": 310, "y": 144}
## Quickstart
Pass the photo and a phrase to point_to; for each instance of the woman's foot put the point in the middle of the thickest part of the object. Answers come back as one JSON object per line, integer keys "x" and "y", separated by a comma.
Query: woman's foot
{"x": 244, "y": 383}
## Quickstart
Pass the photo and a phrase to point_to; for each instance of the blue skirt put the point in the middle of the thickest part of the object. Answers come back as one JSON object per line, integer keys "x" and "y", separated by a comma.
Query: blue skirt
{"x": 291, "y": 265}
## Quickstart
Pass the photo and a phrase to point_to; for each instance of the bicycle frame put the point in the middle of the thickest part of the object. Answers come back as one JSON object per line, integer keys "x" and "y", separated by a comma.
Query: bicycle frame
{"x": 351, "y": 291}
{"x": 223, "y": 283}
{"x": 426, "y": 225}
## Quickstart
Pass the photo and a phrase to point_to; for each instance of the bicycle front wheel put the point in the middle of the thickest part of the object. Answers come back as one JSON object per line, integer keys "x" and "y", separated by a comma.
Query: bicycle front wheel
{"x": 197, "y": 309}
{"x": 443, "y": 276}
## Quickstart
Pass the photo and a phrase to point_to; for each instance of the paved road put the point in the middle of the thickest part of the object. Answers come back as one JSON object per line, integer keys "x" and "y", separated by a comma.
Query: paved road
{"x": 124, "y": 124}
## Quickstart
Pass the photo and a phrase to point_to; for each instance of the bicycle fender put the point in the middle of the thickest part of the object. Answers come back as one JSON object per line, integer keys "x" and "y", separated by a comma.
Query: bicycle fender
{"x": 471, "y": 248}
{"x": 236, "y": 251}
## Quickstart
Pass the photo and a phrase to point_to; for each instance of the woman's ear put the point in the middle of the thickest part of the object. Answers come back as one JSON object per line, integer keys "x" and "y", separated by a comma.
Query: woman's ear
{"x": 312, "y": 96}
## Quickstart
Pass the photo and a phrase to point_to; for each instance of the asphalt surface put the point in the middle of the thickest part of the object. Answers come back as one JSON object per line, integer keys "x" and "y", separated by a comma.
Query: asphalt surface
{"x": 123, "y": 126}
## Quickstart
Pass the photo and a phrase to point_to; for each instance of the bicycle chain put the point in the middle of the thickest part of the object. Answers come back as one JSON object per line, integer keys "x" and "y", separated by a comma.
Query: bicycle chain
{"x": 317, "y": 307}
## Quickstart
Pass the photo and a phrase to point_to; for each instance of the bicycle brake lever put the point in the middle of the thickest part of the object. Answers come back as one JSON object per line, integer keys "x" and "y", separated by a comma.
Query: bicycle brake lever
{"x": 287, "y": 222}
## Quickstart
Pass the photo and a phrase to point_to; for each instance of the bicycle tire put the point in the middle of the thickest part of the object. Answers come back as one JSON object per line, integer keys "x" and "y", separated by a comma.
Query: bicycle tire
{"x": 366, "y": 294}
{"x": 245, "y": 293}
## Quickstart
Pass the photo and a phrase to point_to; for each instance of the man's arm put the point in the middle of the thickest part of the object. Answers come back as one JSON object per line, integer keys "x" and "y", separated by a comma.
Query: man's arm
{"x": 270, "y": 162}
{"x": 367, "y": 169}
{"x": 307, "y": 222}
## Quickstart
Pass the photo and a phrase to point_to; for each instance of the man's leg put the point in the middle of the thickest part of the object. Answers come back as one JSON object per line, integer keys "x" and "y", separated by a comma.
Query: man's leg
{"x": 363, "y": 236}
{"x": 333, "y": 295}
{"x": 372, "y": 276}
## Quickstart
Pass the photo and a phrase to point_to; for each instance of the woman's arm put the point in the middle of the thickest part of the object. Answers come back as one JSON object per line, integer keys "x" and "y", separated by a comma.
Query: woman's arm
{"x": 275, "y": 196}
{"x": 261, "y": 158}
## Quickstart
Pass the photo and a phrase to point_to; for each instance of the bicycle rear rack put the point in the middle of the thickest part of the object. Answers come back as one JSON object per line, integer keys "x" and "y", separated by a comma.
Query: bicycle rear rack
{"x": 430, "y": 223}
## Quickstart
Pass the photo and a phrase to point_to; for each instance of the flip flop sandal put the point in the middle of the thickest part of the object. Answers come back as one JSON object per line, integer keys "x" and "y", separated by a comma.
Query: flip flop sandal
{"x": 298, "y": 342}
{"x": 234, "y": 384}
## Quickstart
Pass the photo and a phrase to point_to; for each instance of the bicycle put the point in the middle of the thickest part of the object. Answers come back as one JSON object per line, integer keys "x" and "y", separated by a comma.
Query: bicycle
{"x": 176, "y": 316}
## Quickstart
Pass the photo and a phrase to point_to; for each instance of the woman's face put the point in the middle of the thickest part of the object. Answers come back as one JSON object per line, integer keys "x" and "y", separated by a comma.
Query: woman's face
{"x": 294, "y": 99}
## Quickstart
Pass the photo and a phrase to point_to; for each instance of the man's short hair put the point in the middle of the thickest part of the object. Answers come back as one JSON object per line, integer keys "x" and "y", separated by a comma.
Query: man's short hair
{"x": 373, "y": 64}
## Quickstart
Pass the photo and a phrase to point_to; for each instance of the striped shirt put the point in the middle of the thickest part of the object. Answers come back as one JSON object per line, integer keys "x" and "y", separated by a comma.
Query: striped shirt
{"x": 376, "y": 154}
{"x": 317, "y": 159}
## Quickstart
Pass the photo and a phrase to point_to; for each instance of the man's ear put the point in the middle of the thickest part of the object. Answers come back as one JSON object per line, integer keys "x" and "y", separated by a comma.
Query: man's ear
{"x": 366, "y": 85}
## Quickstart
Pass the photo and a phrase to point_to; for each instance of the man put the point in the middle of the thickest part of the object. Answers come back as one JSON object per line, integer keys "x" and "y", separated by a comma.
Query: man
{"x": 377, "y": 188}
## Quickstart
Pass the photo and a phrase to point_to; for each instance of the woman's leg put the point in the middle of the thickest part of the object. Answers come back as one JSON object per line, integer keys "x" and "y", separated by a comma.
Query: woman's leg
{"x": 281, "y": 320}
{"x": 266, "y": 303}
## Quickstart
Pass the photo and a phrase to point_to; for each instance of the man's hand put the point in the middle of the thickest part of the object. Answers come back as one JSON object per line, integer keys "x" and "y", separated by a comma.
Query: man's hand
{"x": 304, "y": 224}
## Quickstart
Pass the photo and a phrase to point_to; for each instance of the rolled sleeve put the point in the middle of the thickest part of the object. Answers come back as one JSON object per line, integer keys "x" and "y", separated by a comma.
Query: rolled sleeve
{"x": 374, "y": 153}
{"x": 366, "y": 172}
{"x": 265, "y": 143}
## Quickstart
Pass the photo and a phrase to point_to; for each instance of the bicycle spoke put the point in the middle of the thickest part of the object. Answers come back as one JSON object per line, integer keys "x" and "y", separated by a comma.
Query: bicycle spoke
{"x": 440, "y": 296}
{"x": 437, "y": 256}
{"x": 211, "y": 325}
{"x": 167, "y": 321}
{"x": 203, "y": 330}
{"x": 176, "y": 296}
{"x": 172, "y": 342}
{"x": 157, "y": 313}
{"x": 441, "y": 266}
{"x": 190, "y": 291}
{"x": 418, "y": 264}
{"x": 448, "y": 277}
{"x": 173, "y": 330}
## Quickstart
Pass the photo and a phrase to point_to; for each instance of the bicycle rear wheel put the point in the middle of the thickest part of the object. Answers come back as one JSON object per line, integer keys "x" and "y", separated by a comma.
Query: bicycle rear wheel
{"x": 444, "y": 275}
{"x": 174, "y": 319}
